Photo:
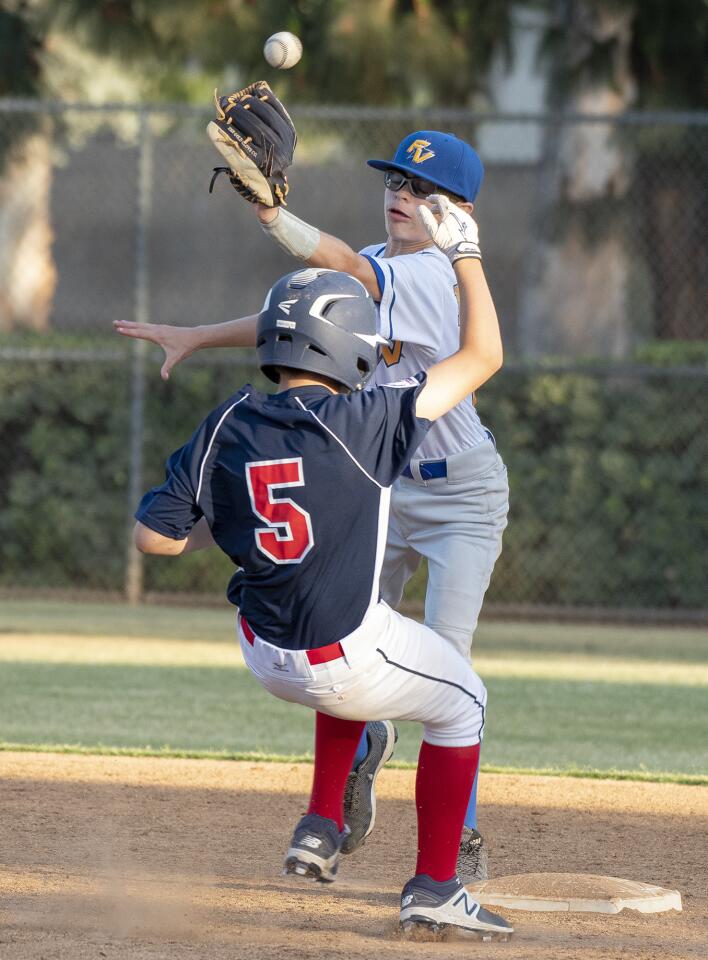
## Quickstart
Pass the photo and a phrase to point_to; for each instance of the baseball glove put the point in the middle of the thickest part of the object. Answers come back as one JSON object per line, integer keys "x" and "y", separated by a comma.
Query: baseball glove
{"x": 256, "y": 137}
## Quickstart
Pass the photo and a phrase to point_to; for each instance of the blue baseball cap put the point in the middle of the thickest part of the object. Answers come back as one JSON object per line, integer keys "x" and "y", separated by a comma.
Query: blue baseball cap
{"x": 440, "y": 157}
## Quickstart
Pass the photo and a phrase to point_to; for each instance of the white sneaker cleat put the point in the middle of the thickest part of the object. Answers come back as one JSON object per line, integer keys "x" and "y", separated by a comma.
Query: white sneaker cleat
{"x": 431, "y": 910}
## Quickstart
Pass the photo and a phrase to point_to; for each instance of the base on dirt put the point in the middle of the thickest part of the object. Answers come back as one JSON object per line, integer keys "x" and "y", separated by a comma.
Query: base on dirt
{"x": 574, "y": 893}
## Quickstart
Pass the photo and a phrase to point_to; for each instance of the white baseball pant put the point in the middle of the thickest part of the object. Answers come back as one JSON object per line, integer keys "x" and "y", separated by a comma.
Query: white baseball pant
{"x": 389, "y": 668}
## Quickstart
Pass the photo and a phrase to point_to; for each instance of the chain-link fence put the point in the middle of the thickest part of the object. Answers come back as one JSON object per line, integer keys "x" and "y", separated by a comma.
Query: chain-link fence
{"x": 595, "y": 233}
{"x": 595, "y": 230}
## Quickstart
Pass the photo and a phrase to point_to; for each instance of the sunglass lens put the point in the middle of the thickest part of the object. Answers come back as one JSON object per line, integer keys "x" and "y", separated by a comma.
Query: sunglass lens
{"x": 422, "y": 188}
{"x": 394, "y": 180}
{"x": 418, "y": 187}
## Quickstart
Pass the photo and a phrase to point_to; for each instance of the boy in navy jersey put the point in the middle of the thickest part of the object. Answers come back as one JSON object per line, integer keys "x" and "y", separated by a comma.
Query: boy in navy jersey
{"x": 294, "y": 487}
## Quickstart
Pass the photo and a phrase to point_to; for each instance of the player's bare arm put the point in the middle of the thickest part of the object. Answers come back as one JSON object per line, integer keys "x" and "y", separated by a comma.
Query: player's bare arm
{"x": 315, "y": 247}
{"x": 149, "y": 541}
{"x": 406, "y": 234}
{"x": 480, "y": 354}
{"x": 180, "y": 342}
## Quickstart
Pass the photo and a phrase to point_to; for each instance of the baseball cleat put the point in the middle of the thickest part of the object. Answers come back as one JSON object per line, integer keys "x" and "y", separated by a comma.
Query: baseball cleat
{"x": 359, "y": 792}
{"x": 472, "y": 859}
{"x": 433, "y": 910}
{"x": 315, "y": 849}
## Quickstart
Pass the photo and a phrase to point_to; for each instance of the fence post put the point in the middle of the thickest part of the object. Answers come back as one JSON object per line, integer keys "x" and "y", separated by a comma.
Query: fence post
{"x": 134, "y": 561}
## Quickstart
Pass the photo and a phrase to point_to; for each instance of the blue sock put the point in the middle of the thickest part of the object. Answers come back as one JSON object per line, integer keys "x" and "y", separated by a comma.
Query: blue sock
{"x": 361, "y": 750}
{"x": 471, "y": 815}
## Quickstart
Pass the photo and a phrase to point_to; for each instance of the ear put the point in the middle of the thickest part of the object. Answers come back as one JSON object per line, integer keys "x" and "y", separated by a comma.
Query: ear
{"x": 467, "y": 207}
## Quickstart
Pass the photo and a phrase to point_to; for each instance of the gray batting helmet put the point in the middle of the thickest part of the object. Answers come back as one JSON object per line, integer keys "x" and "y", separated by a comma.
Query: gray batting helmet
{"x": 319, "y": 321}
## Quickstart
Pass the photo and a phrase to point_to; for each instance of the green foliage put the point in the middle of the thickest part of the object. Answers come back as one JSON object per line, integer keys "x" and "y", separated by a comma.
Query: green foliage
{"x": 607, "y": 478}
{"x": 64, "y": 474}
{"x": 669, "y": 53}
{"x": 665, "y": 46}
{"x": 370, "y": 52}
{"x": 20, "y": 44}
{"x": 384, "y": 52}
{"x": 673, "y": 353}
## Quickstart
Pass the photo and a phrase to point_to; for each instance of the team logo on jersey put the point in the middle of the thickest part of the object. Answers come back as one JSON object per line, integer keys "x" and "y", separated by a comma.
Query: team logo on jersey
{"x": 285, "y": 306}
{"x": 418, "y": 152}
{"x": 391, "y": 355}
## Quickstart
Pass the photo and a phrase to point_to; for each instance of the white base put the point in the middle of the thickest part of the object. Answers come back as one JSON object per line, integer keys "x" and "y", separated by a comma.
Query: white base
{"x": 574, "y": 893}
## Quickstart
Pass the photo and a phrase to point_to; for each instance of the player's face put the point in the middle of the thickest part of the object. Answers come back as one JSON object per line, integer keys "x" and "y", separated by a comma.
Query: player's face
{"x": 402, "y": 222}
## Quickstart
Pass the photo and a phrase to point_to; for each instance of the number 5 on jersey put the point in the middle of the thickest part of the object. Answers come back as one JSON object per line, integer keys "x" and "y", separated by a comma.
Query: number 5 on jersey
{"x": 288, "y": 537}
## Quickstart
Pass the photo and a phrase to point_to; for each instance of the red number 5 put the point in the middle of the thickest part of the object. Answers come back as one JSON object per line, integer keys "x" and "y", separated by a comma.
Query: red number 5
{"x": 288, "y": 536}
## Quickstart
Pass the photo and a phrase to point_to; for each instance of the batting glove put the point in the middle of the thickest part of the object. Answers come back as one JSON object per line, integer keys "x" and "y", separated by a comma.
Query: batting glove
{"x": 450, "y": 228}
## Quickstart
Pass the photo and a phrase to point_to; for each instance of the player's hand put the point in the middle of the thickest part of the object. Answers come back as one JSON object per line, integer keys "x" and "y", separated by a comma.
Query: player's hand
{"x": 450, "y": 228}
{"x": 177, "y": 342}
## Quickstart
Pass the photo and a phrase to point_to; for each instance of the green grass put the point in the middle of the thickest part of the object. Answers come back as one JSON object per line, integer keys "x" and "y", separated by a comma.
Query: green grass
{"x": 594, "y": 700}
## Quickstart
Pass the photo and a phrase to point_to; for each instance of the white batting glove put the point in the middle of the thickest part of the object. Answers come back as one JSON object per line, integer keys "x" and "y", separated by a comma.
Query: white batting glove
{"x": 450, "y": 228}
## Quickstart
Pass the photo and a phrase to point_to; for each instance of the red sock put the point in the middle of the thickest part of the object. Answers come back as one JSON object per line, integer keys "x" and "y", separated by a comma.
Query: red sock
{"x": 335, "y": 745}
{"x": 442, "y": 792}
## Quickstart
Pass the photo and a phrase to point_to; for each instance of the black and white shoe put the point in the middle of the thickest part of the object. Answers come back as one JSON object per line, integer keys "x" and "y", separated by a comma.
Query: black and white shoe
{"x": 472, "y": 859}
{"x": 431, "y": 909}
{"x": 359, "y": 792}
{"x": 315, "y": 849}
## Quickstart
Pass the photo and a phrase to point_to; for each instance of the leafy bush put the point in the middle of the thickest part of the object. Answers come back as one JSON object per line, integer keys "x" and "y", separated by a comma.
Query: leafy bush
{"x": 608, "y": 478}
{"x": 607, "y": 472}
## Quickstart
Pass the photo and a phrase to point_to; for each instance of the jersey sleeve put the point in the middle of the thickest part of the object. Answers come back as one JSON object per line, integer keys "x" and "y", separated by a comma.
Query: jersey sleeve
{"x": 413, "y": 288}
{"x": 172, "y": 508}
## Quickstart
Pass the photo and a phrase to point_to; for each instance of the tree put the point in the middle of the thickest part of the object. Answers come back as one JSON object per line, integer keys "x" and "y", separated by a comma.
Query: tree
{"x": 607, "y": 56}
{"x": 376, "y": 52}
{"x": 25, "y": 234}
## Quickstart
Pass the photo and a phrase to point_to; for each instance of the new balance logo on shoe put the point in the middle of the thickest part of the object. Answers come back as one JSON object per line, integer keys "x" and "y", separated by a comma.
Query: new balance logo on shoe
{"x": 469, "y": 906}
{"x": 313, "y": 842}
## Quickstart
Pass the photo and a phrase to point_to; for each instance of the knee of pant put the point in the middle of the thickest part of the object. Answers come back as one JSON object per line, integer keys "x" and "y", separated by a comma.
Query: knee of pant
{"x": 459, "y": 639}
{"x": 464, "y": 730}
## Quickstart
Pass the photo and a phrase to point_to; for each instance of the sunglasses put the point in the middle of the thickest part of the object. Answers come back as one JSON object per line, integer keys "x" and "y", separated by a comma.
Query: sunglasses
{"x": 419, "y": 187}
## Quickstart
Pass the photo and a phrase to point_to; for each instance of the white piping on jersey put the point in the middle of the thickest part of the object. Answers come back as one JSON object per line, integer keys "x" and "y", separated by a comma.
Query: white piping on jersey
{"x": 389, "y": 297}
{"x": 211, "y": 443}
{"x": 342, "y": 445}
{"x": 382, "y": 536}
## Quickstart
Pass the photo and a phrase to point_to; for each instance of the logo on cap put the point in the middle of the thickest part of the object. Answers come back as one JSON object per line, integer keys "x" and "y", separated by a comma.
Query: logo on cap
{"x": 418, "y": 151}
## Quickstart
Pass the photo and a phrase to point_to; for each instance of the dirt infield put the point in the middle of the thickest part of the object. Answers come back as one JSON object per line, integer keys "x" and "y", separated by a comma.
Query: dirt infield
{"x": 142, "y": 858}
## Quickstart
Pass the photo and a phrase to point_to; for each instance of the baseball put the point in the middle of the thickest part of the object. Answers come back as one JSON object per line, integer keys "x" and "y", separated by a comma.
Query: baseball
{"x": 282, "y": 50}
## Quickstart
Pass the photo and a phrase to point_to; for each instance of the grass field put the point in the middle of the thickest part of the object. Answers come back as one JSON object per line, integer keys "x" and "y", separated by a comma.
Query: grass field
{"x": 600, "y": 699}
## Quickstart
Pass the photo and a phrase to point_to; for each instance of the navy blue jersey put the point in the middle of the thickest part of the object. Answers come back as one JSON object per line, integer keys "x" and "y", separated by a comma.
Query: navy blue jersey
{"x": 295, "y": 489}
